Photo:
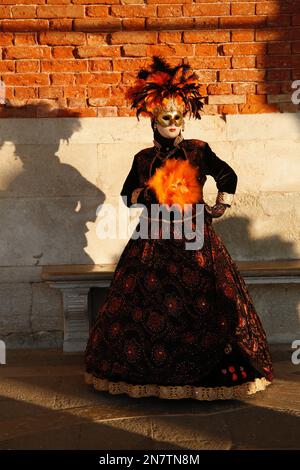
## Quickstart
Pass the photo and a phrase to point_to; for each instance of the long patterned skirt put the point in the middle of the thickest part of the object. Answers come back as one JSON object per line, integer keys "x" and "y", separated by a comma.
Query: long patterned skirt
{"x": 178, "y": 323}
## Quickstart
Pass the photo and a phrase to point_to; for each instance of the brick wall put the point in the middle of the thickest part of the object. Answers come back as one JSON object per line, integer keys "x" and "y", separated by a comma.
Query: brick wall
{"x": 78, "y": 56}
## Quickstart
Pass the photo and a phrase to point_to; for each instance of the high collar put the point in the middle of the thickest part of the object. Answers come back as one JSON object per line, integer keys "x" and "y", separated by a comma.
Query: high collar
{"x": 165, "y": 143}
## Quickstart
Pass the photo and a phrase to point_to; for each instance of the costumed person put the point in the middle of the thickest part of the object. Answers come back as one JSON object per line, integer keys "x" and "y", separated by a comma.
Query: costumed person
{"x": 176, "y": 322}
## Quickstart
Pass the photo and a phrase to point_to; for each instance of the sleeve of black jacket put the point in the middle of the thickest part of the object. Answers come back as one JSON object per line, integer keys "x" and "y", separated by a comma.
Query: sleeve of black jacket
{"x": 131, "y": 183}
{"x": 224, "y": 175}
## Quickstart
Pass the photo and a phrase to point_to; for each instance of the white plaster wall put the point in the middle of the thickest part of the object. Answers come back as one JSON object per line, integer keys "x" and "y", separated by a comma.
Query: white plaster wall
{"x": 56, "y": 173}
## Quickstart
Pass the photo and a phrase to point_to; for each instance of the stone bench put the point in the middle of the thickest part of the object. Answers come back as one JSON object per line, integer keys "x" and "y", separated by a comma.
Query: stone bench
{"x": 75, "y": 282}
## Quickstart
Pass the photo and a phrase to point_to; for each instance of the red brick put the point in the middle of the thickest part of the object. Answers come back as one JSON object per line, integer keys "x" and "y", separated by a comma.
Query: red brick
{"x": 134, "y": 24}
{"x": 23, "y": 2}
{"x": 272, "y": 35}
{"x": 57, "y": 38}
{"x": 63, "y": 52}
{"x": 205, "y": 49}
{"x": 27, "y": 79}
{"x": 275, "y": 8}
{"x": 256, "y": 108}
{"x": 171, "y": 1}
{"x": 129, "y": 78}
{"x": 242, "y": 21}
{"x": 64, "y": 65}
{"x": 243, "y": 62}
{"x": 61, "y": 24}
{"x": 219, "y": 89}
{"x": 24, "y": 11}
{"x": 107, "y": 111}
{"x": 242, "y": 36}
{"x": 6, "y": 39}
{"x": 268, "y": 8}
{"x": 126, "y": 112}
{"x": 242, "y": 75}
{"x": 124, "y": 64}
{"x": 244, "y": 49}
{"x": 29, "y": 52}
{"x": 95, "y": 39}
{"x": 133, "y": 11}
{"x": 296, "y": 19}
{"x": 205, "y": 9}
{"x": 4, "y": 12}
{"x": 169, "y": 23}
{"x": 210, "y": 62}
{"x": 99, "y": 24}
{"x": 169, "y": 37}
{"x": 100, "y": 64}
{"x": 278, "y": 75}
{"x": 206, "y": 76}
{"x": 228, "y": 109}
{"x": 256, "y": 99}
{"x": 60, "y": 11}
{"x": 296, "y": 47}
{"x": 58, "y": 2}
{"x": 24, "y": 93}
{"x": 268, "y": 88}
{"x": 243, "y": 88}
{"x": 173, "y": 50}
{"x": 25, "y": 38}
{"x": 128, "y": 37}
{"x": 95, "y": 79}
{"x": 281, "y": 20}
{"x": 206, "y": 22}
{"x": 97, "y": 11}
{"x": 62, "y": 78}
{"x": 98, "y": 92}
{"x": 242, "y": 8}
{"x": 74, "y": 92}
{"x": 23, "y": 66}
{"x": 264, "y": 61}
{"x": 278, "y": 48}
{"x": 97, "y": 51}
{"x": 169, "y": 10}
{"x": 295, "y": 34}
{"x": 295, "y": 74}
{"x": 7, "y": 66}
{"x": 76, "y": 102}
{"x": 134, "y": 50}
{"x": 51, "y": 92}
{"x": 25, "y": 25}
{"x": 206, "y": 36}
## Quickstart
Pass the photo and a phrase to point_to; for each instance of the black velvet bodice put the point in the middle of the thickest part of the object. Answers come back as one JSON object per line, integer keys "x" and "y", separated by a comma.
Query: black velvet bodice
{"x": 197, "y": 151}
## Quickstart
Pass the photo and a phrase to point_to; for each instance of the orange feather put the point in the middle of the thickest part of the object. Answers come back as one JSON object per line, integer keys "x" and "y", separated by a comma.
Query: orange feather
{"x": 175, "y": 182}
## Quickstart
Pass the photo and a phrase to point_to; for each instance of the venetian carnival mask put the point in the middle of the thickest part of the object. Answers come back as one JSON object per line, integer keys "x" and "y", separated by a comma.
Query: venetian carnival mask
{"x": 169, "y": 119}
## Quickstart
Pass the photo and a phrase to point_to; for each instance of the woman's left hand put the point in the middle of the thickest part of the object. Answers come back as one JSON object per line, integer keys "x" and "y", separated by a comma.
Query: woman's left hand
{"x": 217, "y": 210}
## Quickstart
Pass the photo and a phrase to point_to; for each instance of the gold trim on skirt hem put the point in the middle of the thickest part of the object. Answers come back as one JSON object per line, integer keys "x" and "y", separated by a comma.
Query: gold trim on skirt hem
{"x": 177, "y": 391}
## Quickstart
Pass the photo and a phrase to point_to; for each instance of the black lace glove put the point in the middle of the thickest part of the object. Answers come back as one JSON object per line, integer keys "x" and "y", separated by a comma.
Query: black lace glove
{"x": 144, "y": 195}
{"x": 217, "y": 210}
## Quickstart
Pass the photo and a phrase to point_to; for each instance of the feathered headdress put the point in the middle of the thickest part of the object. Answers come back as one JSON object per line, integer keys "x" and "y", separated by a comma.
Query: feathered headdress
{"x": 156, "y": 88}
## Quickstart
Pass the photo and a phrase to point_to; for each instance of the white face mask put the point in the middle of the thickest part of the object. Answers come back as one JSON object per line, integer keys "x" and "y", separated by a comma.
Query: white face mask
{"x": 166, "y": 131}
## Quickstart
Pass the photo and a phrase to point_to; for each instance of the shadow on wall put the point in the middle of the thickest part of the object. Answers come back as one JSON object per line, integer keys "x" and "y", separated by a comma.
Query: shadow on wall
{"x": 45, "y": 204}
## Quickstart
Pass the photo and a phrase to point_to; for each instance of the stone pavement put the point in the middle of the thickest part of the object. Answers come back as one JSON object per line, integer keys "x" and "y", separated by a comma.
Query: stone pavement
{"x": 44, "y": 404}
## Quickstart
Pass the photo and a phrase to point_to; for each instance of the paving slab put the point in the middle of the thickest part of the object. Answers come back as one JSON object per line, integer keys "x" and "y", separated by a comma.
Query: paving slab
{"x": 45, "y": 404}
